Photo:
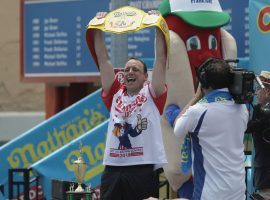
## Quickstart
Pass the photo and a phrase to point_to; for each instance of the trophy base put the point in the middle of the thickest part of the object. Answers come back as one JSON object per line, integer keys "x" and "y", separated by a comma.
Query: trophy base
{"x": 79, "y": 188}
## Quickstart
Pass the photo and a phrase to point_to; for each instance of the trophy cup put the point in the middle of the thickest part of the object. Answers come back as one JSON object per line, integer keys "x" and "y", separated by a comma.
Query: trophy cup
{"x": 79, "y": 170}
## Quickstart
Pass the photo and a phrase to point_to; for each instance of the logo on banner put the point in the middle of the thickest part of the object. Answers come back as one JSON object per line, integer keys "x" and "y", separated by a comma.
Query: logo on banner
{"x": 264, "y": 19}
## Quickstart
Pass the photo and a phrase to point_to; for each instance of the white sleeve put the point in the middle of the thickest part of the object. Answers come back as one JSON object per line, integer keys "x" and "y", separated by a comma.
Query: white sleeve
{"x": 183, "y": 124}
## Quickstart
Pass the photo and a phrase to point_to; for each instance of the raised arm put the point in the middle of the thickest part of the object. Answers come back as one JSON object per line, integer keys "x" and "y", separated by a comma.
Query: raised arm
{"x": 105, "y": 65}
{"x": 198, "y": 95}
{"x": 159, "y": 70}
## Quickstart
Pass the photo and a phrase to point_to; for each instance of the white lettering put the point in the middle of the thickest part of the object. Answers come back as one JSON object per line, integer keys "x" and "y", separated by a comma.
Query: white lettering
{"x": 141, "y": 39}
{"x": 60, "y": 42}
{"x": 61, "y": 34}
{"x": 201, "y": 1}
{"x": 61, "y": 63}
{"x": 48, "y": 42}
{"x": 48, "y": 49}
{"x": 36, "y": 64}
{"x": 49, "y": 35}
{"x": 60, "y": 49}
{"x": 131, "y": 46}
{"x": 61, "y": 56}
{"x": 49, "y": 64}
{"x": 49, "y": 56}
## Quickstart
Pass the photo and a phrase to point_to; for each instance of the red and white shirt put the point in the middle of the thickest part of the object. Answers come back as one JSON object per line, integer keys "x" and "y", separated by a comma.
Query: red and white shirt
{"x": 134, "y": 133}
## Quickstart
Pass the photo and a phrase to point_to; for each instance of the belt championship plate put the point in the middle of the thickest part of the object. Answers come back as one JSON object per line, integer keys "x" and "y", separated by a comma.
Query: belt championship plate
{"x": 125, "y": 20}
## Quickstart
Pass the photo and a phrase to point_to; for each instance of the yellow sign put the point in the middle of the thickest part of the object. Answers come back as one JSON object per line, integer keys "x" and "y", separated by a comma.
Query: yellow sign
{"x": 128, "y": 19}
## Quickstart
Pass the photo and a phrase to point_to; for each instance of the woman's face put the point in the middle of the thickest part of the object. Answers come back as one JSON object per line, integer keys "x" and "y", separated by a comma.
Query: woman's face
{"x": 263, "y": 95}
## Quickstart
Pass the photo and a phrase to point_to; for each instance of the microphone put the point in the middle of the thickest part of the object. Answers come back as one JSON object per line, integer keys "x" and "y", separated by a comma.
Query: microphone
{"x": 258, "y": 80}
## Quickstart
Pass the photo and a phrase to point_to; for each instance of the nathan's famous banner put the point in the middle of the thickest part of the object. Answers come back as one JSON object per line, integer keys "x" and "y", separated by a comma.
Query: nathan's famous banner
{"x": 59, "y": 165}
{"x": 259, "y": 22}
{"x": 52, "y": 134}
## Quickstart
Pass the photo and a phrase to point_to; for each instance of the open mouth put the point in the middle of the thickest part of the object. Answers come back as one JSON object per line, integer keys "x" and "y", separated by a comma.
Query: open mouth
{"x": 130, "y": 79}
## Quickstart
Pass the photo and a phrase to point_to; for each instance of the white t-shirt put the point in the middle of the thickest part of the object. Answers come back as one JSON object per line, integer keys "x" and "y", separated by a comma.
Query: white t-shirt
{"x": 128, "y": 142}
{"x": 217, "y": 134}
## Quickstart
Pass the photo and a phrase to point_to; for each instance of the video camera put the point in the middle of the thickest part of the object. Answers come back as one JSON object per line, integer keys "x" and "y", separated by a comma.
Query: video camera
{"x": 242, "y": 88}
{"x": 242, "y": 81}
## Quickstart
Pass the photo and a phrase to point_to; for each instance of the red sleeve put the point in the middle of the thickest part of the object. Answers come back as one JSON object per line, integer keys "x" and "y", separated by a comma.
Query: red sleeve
{"x": 108, "y": 98}
{"x": 160, "y": 101}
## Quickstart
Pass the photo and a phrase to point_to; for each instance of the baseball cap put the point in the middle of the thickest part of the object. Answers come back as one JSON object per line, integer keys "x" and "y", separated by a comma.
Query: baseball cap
{"x": 200, "y": 13}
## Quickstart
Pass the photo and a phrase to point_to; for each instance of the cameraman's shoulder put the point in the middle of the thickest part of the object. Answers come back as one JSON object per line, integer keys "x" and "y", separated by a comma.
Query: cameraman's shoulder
{"x": 197, "y": 109}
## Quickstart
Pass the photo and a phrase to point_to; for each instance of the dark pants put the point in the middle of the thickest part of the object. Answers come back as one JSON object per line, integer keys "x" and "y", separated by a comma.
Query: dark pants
{"x": 134, "y": 182}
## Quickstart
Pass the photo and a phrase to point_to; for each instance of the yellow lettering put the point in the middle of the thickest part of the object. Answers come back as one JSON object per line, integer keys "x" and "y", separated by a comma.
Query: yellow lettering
{"x": 59, "y": 136}
{"x": 84, "y": 126}
{"x": 99, "y": 151}
{"x": 72, "y": 156}
{"x": 18, "y": 157}
{"x": 83, "y": 123}
{"x": 71, "y": 132}
{"x": 43, "y": 149}
{"x": 90, "y": 156}
{"x": 26, "y": 155}
{"x": 94, "y": 172}
{"x": 97, "y": 118}
{"x": 52, "y": 145}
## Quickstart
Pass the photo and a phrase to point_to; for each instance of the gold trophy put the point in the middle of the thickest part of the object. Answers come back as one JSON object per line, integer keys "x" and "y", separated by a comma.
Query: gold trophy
{"x": 80, "y": 170}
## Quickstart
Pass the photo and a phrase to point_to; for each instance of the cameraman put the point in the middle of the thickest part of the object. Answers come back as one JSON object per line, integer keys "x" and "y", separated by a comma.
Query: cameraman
{"x": 216, "y": 125}
{"x": 259, "y": 126}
